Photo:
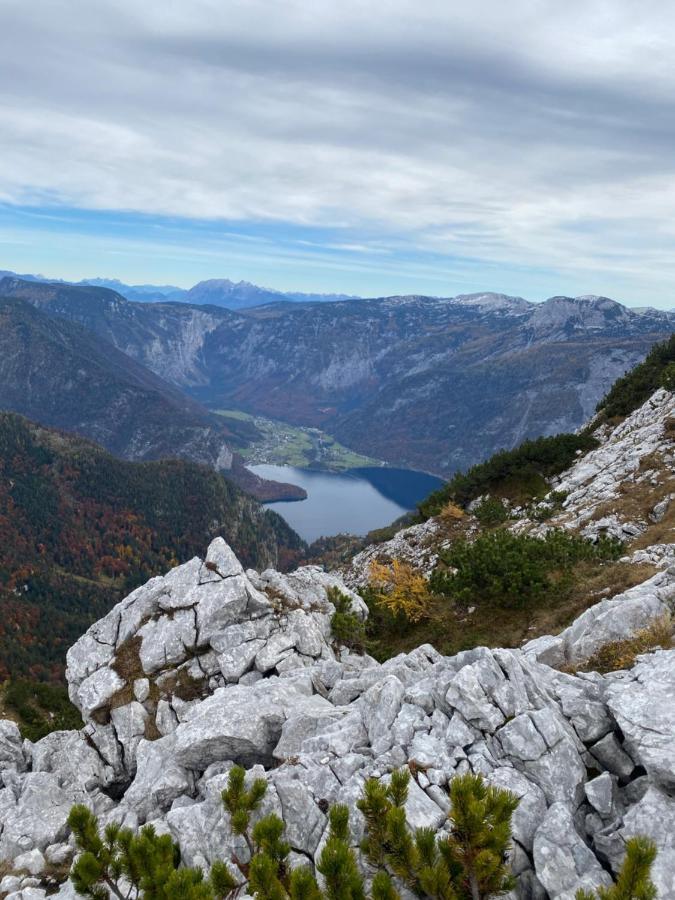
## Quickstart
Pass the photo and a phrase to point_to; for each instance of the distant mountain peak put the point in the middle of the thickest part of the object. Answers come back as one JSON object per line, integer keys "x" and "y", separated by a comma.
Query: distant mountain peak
{"x": 494, "y": 301}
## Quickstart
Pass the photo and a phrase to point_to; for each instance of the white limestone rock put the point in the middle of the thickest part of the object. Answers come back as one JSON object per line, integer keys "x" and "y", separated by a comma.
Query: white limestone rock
{"x": 12, "y": 754}
{"x": 644, "y": 708}
{"x": 563, "y": 863}
{"x": 262, "y": 685}
{"x": 97, "y": 690}
{"x": 613, "y": 619}
{"x": 654, "y": 816}
{"x": 38, "y": 816}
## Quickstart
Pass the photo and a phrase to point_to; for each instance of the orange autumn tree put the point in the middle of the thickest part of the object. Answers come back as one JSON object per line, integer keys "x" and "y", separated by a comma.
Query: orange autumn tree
{"x": 401, "y": 589}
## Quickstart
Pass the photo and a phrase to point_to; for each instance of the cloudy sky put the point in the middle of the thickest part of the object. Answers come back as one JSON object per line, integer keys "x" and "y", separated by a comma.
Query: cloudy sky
{"x": 369, "y": 147}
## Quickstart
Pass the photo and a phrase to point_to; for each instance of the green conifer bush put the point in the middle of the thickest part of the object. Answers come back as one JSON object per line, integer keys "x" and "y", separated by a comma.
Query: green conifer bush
{"x": 467, "y": 860}
{"x": 634, "y": 881}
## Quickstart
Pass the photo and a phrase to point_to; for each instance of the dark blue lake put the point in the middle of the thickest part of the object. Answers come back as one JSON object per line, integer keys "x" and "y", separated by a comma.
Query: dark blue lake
{"x": 355, "y": 502}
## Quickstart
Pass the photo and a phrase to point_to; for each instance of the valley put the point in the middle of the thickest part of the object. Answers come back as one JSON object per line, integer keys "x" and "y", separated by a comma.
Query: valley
{"x": 283, "y": 444}
{"x": 426, "y": 383}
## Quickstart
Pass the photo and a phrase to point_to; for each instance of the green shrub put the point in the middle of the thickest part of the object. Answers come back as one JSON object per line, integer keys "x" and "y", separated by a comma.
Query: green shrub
{"x": 41, "y": 708}
{"x": 512, "y": 570}
{"x": 541, "y": 512}
{"x": 466, "y": 861}
{"x": 347, "y": 628}
{"x": 668, "y": 377}
{"x": 634, "y": 881}
{"x": 631, "y": 391}
{"x": 469, "y": 860}
{"x": 491, "y": 511}
{"x": 519, "y": 474}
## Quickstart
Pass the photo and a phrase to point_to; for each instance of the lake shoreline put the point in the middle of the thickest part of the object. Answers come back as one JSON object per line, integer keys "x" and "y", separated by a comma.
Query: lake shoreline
{"x": 355, "y": 501}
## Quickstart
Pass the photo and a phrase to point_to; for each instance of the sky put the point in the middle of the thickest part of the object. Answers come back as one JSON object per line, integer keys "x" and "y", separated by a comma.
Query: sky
{"x": 371, "y": 147}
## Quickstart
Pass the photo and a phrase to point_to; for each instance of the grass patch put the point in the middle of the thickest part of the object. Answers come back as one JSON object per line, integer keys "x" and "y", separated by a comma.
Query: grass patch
{"x": 279, "y": 443}
{"x": 450, "y": 627}
{"x": 237, "y": 414}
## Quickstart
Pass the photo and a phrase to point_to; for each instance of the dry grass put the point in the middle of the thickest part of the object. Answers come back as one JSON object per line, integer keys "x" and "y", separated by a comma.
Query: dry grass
{"x": 181, "y": 685}
{"x": 450, "y": 628}
{"x": 127, "y": 661}
{"x": 622, "y": 654}
{"x": 592, "y": 583}
{"x": 636, "y": 500}
{"x": 451, "y": 511}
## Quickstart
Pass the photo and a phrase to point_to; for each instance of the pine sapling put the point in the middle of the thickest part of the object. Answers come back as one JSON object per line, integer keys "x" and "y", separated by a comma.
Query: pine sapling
{"x": 634, "y": 880}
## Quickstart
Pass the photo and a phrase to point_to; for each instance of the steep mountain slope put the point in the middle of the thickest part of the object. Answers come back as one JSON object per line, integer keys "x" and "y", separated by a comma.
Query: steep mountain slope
{"x": 431, "y": 383}
{"x": 79, "y": 528}
{"x": 621, "y": 489}
{"x": 63, "y": 375}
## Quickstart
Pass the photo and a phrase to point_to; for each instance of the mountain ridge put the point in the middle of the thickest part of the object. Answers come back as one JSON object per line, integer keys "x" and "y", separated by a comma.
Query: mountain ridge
{"x": 423, "y": 383}
{"x": 213, "y": 291}
{"x": 61, "y": 374}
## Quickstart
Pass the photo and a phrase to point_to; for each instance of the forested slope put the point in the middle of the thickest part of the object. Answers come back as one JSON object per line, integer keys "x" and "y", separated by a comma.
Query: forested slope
{"x": 80, "y": 528}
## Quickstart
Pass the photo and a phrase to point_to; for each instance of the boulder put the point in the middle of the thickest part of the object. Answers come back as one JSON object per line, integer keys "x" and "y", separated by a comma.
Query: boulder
{"x": 562, "y": 861}
{"x": 654, "y": 817}
{"x": 644, "y": 708}
{"x": 11, "y": 747}
{"x": 159, "y": 779}
{"x": 38, "y": 817}
{"x": 238, "y": 723}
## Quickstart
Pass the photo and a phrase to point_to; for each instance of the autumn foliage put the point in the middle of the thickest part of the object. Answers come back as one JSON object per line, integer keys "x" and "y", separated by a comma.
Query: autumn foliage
{"x": 401, "y": 589}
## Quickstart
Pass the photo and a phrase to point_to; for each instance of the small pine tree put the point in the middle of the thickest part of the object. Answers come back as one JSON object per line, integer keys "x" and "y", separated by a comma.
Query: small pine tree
{"x": 634, "y": 881}
{"x": 146, "y": 865}
{"x": 241, "y": 802}
{"x": 469, "y": 863}
{"x": 347, "y": 628}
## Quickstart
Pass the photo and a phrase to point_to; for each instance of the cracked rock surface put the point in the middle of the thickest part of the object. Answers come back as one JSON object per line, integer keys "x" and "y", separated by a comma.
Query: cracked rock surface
{"x": 210, "y": 666}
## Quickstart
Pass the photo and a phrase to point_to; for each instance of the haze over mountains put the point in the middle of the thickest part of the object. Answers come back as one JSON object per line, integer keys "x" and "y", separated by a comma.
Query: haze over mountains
{"x": 214, "y": 292}
{"x": 429, "y": 383}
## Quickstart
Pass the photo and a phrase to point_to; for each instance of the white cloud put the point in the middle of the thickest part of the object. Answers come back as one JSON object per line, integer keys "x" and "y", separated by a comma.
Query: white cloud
{"x": 537, "y": 134}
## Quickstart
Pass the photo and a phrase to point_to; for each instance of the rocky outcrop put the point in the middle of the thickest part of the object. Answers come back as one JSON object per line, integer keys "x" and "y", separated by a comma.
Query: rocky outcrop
{"x": 212, "y": 665}
{"x": 416, "y": 545}
{"x": 625, "y": 485}
{"x": 613, "y": 619}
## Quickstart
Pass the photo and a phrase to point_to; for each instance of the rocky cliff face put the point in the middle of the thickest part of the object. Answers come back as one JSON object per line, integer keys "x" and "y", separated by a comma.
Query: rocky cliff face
{"x": 432, "y": 383}
{"x": 211, "y": 665}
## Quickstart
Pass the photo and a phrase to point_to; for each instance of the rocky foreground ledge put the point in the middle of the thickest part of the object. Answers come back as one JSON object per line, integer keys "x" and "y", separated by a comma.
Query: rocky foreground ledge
{"x": 210, "y": 666}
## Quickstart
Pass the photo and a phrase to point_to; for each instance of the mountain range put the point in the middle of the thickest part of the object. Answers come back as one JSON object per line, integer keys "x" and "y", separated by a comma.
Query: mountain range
{"x": 213, "y": 291}
{"x": 430, "y": 383}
